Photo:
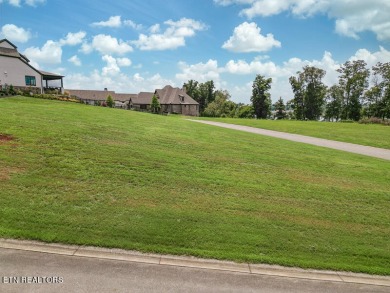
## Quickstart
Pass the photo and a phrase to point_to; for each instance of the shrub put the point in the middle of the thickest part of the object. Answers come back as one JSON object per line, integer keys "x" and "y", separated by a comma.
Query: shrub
{"x": 375, "y": 120}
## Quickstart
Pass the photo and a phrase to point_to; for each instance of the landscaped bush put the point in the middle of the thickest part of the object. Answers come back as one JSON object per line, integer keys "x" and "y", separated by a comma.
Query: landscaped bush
{"x": 375, "y": 120}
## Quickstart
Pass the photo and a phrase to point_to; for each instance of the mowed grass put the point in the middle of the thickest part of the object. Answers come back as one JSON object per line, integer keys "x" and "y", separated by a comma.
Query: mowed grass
{"x": 97, "y": 176}
{"x": 365, "y": 134}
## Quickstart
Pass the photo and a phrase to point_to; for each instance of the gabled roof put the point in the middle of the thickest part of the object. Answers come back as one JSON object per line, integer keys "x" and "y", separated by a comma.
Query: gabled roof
{"x": 5, "y": 40}
{"x": 143, "y": 98}
{"x": 175, "y": 96}
{"x": 123, "y": 97}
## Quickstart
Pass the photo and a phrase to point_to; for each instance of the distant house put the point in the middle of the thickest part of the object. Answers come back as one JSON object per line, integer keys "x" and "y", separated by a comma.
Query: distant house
{"x": 175, "y": 100}
{"x": 172, "y": 100}
{"x": 16, "y": 70}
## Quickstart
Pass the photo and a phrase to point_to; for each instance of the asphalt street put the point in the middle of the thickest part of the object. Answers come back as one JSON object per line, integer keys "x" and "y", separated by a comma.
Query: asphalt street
{"x": 29, "y": 271}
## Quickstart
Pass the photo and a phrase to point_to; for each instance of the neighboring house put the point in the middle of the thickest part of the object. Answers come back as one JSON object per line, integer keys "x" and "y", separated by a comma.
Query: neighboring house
{"x": 91, "y": 97}
{"x": 16, "y": 70}
{"x": 172, "y": 100}
{"x": 141, "y": 101}
{"x": 175, "y": 100}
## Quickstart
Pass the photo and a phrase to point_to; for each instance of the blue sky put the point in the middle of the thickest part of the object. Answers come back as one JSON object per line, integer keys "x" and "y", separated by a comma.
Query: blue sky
{"x": 133, "y": 46}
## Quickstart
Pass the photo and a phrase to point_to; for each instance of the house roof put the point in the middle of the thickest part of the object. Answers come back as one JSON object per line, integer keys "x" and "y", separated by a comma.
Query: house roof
{"x": 176, "y": 96}
{"x": 9, "y": 52}
{"x": 50, "y": 76}
{"x": 143, "y": 98}
{"x": 5, "y": 40}
{"x": 91, "y": 94}
{"x": 100, "y": 95}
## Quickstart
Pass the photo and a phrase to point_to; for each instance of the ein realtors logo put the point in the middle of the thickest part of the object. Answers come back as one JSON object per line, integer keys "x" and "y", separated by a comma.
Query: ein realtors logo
{"x": 31, "y": 280}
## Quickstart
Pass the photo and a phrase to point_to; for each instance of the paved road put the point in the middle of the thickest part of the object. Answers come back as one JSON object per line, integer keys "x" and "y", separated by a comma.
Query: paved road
{"x": 343, "y": 146}
{"x": 83, "y": 274}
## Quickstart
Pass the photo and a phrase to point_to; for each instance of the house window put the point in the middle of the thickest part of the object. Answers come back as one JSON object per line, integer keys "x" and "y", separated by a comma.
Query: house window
{"x": 30, "y": 80}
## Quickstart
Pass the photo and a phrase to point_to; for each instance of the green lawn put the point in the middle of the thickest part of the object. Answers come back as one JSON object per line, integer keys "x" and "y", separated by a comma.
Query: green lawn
{"x": 365, "y": 134}
{"x": 91, "y": 175}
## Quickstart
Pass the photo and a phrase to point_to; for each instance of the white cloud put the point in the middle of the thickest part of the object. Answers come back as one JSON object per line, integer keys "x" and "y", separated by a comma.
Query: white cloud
{"x": 201, "y": 72}
{"x": 34, "y": 2}
{"x": 50, "y": 53}
{"x": 351, "y": 16}
{"x": 15, "y": 34}
{"x": 113, "y": 21}
{"x": 73, "y": 39}
{"x": 112, "y": 67}
{"x": 106, "y": 44}
{"x": 75, "y": 60}
{"x": 173, "y": 37}
{"x": 18, "y": 3}
{"x": 247, "y": 38}
{"x": 119, "y": 82}
{"x": 116, "y": 22}
{"x": 155, "y": 28}
{"x": 123, "y": 62}
{"x": 132, "y": 24}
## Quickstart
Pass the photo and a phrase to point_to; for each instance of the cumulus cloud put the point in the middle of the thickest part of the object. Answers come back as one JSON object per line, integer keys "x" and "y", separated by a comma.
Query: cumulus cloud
{"x": 247, "y": 38}
{"x": 113, "y": 21}
{"x": 201, "y": 72}
{"x": 120, "y": 82}
{"x": 75, "y": 60}
{"x": 351, "y": 16}
{"x": 15, "y": 34}
{"x": 107, "y": 44}
{"x": 123, "y": 62}
{"x": 173, "y": 37}
{"x": 116, "y": 22}
{"x": 73, "y": 39}
{"x": 50, "y": 53}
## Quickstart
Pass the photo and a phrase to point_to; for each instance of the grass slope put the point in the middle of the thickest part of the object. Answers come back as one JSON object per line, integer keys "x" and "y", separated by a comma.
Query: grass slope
{"x": 365, "y": 134}
{"x": 91, "y": 175}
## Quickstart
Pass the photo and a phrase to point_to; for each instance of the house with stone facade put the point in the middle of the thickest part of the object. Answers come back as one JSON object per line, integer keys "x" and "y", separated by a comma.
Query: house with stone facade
{"x": 16, "y": 70}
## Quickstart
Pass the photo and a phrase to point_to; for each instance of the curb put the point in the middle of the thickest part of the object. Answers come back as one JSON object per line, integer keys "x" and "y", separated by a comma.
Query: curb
{"x": 193, "y": 262}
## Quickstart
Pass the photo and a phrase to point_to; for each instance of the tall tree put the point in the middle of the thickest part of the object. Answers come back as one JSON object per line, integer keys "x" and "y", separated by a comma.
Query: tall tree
{"x": 334, "y": 99}
{"x": 191, "y": 88}
{"x": 353, "y": 80}
{"x": 309, "y": 93}
{"x": 261, "y": 98}
{"x": 382, "y": 74}
{"x": 298, "y": 103}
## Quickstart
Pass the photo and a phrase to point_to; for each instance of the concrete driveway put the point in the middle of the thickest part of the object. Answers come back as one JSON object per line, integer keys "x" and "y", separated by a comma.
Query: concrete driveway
{"x": 343, "y": 146}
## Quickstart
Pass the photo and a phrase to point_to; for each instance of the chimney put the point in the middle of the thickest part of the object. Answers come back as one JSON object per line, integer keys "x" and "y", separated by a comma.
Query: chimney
{"x": 105, "y": 89}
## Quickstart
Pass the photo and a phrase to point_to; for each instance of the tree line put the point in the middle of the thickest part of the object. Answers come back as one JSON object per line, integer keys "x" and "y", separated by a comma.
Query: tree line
{"x": 350, "y": 99}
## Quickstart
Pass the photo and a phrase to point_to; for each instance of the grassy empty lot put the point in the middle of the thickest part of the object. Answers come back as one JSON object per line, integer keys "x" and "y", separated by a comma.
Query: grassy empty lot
{"x": 365, "y": 134}
{"x": 79, "y": 174}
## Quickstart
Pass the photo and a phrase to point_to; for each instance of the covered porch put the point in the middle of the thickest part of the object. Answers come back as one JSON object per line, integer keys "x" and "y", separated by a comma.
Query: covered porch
{"x": 52, "y": 83}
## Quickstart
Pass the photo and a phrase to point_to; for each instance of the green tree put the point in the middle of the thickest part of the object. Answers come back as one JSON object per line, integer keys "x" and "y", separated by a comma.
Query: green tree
{"x": 261, "y": 98}
{"x": 334, "y": 99}
{"x": 155, "y": 105}
{"x": 298, "y": 103}
{"x": 245, "y": 111}
{"x": 280, "y": 109}
{"x": 110, "y": 101}
{"x": 309, "y": 92}
{"x": 382, "y": 90}
{"x": 221, "y": 106}
{"x": 353, "y": 80}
